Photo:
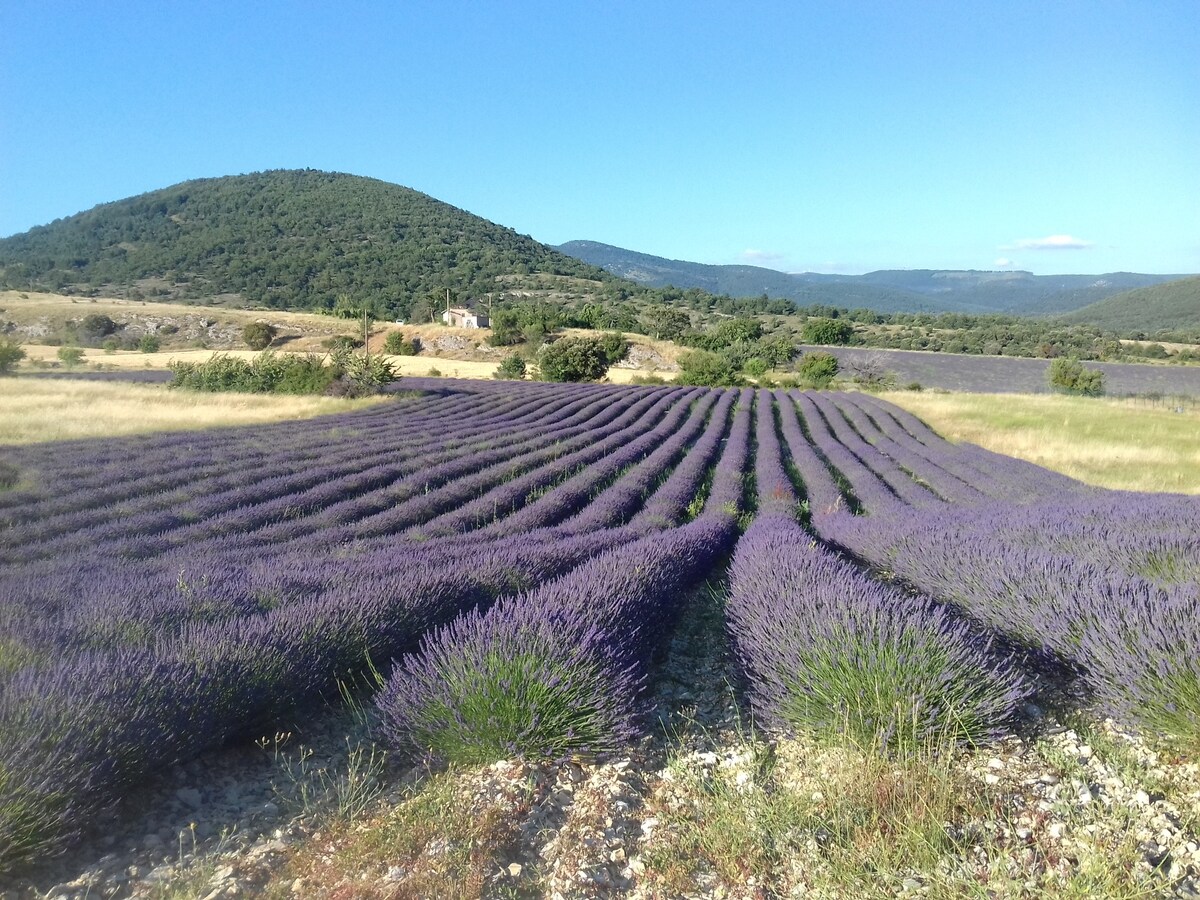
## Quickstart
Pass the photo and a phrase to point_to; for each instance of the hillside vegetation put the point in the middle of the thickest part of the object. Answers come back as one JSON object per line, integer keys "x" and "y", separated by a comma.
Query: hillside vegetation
{"x": 283, "y": 239}
{"x": 1174, "y": 306}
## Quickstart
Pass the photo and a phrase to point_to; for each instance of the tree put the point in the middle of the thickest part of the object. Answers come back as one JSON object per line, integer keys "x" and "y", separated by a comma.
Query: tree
{"x": 259, "y": 335}
{"x": 11, "y": 353}
{"x": 573, "y": 359}
{"x": 827, "y": 331}
{"x": 148, "y": 343}
{"x": 513, "y": 367}
{"x": 1068, "y": 375}
{"x": 669, "y": 323}
{"x": 506, "y": 328}
{"x": 614, "y": 346}
{"x": 818, "y": 369}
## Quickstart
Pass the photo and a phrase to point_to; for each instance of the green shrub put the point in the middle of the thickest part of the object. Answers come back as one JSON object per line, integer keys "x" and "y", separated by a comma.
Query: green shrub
{"x": 148, "y": 343}
{"x": 70, "y": 356}
{"x": 755, "y": 367}
{"x": 259, "y": 335}
{"x": 614, "y": 346}
{"x": 817, "y": 369}
{"x": 574, "y": 359}
{"x": 96, "y": 326}
{"x": 1068, "y": 375}
{"x": 700, "y": 367}
{"x": 396, "y": 344}
{"x": 342, "y": 342}
{"x": 513, "y": 367}
{"x": 110, "y": 345}
{"x": 268, "y": 373}
{"x": 827, "y": 331}
{"x": 11, "y": 353}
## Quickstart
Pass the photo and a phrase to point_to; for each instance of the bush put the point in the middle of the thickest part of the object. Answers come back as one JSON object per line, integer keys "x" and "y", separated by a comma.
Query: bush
{"x": 70, "y": 356}
{"x": 396, "y": 344}
{"x": 341, "y": 342}
{"x": 574, "y": 359}
{"x": 96, "y": 326}
{"x": 1068, "y": 375}
{"x": 148, "y": 343}
{"x": 756, "y": 368}
{"x": 827, "y": 331}
{"x": 268, "y": 373}
{"x": 11, "y": 353}
{"x": 614, "y": 346}
{"x": 701, "y": 367}
{"x": 259, "y": 335}
{"x": 818, "y": 369}
{"x": 513, "y": 367}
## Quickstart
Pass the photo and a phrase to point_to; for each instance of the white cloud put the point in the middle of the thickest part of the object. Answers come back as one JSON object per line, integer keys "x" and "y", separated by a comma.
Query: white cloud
{"x": 760, "y": 257}
{"x": 1051, "y": 242}
{"x": 1004, "y": 263}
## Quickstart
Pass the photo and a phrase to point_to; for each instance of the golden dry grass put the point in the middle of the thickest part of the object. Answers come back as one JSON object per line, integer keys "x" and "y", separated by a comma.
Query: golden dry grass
{"x": 36, "y": 410}
{"x": 1122, "y": 444}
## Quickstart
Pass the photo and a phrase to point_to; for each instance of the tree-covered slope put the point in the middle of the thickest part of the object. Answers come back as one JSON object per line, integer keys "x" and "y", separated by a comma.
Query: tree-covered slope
{"x": 287, "y": 238}
{"x": 1174, "y": 306}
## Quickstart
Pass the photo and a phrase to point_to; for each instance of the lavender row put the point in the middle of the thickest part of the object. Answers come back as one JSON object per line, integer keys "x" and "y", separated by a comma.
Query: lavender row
{"x": 556, "y": 670}
{"x": 80, "y": 732}
{"x": 825, "y": 649}
{"x": 334, "y": 501}
{"x": 561, "y": 668}
{"x": 858, "y": 484}
{"x": 95, "y": 600}
{"x": 927, "y": 469}
{"x": 996, "y": 475}
{"x": 820, "y": 490}
{"x": 241, "y": 488}
{"x": 900, "y": 482}
{"x": 1136, "y": 644}
{"x": 506, "y": 498}
{"x": 587, "y": 488}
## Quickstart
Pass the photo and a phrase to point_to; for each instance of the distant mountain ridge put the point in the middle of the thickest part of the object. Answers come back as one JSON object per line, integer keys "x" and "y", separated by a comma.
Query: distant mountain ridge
{"x": 899, "y": 290}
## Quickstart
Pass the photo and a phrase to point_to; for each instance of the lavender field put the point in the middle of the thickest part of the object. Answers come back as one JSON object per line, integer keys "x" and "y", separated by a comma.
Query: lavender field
{"x": 1010, "y": 374}
{"x": 512, "y": 558}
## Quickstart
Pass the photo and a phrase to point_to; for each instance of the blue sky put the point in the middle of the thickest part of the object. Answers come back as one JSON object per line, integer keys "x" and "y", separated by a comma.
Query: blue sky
{"x": 841, "y": 136}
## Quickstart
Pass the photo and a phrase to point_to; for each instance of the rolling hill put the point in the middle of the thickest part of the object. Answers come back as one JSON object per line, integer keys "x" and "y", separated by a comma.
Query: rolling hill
{"x": 284, "y": 239}
{"x": 1172, "y": 306}
{"x": 898, "y": 290}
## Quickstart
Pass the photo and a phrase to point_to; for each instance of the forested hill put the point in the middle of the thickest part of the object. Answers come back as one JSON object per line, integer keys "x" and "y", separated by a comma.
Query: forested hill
{"x": 286, "y": 239}
{"x": 1174, "y": 306}
{"x": 901, "y": 290}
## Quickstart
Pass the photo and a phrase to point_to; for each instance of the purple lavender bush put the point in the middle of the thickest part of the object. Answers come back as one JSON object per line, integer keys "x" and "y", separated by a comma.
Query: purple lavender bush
{"x": 827, "y": 650}
{"x": 556, "y": 670}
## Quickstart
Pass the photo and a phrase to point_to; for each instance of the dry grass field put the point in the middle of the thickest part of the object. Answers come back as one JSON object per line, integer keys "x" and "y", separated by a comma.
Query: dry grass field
{"x": 1112, "y": 443}
{"x": 35, "y": 410}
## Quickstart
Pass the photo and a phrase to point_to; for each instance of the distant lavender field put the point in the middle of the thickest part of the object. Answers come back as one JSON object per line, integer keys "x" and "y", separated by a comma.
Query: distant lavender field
{"x": 1003, "y": 374}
